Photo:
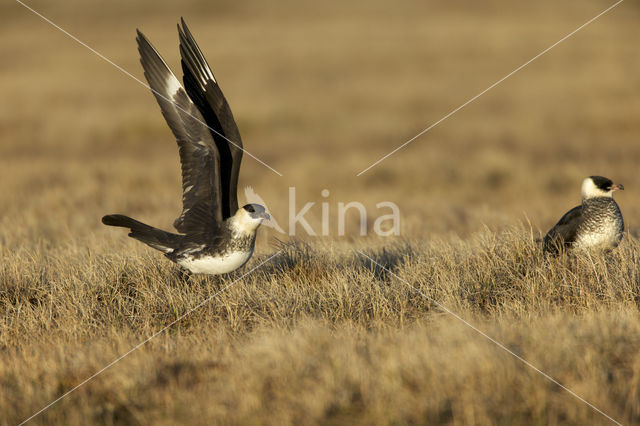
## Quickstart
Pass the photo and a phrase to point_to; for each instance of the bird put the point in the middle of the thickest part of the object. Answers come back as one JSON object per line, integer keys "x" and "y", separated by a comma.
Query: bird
{"x": 595, "y": 224}
{"x": 214, "y": 235}
{"x": 252, "y": 197}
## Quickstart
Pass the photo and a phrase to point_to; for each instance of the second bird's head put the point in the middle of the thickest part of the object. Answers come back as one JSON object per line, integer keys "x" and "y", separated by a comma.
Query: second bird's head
{"x": 598, "y": 186}
{"x": 248, "y": 218}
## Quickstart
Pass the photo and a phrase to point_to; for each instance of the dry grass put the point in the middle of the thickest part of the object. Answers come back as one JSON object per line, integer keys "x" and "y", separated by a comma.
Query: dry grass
{"x": 321, "y": 334}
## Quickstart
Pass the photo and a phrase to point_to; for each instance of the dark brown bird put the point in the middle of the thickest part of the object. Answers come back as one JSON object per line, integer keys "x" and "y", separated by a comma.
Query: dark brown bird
{"x": 215, "y": 236}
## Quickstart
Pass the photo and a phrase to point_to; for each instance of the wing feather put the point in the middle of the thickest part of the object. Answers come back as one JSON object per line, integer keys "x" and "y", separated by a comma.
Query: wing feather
{"x": 199, "y": 157}
{"x": 563, "y": 234}
{"x": 202, "y": 87}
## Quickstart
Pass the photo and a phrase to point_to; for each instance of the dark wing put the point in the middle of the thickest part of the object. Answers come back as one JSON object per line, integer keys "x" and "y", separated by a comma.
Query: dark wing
{"x": 201, "y": 195}
{"x": 204, "y": 91}
{"x": 563, "y": 234}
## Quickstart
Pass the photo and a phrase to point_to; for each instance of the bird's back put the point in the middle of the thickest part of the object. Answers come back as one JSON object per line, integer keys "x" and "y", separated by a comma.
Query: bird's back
{"x": 563, "y": 234}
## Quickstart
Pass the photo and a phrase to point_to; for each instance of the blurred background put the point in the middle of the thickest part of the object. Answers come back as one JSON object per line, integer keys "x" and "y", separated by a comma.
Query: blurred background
{"x": 320, "y": 91}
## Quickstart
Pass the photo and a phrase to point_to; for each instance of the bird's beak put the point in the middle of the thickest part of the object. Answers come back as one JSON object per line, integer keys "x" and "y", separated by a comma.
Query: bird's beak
{"x": 265, "y": 216}
{"x": 617, "y": 186}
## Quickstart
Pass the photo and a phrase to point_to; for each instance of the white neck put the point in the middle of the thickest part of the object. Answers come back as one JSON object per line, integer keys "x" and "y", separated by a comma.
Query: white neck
{"x": 242, "y": 224}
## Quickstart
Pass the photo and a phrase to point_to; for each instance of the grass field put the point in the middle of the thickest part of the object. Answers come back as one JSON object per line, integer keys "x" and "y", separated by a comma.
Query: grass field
{"x": 320, "y": 333}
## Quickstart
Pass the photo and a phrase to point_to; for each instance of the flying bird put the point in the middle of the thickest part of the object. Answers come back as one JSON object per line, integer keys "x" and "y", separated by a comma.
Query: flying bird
{"x": 214, "y": 235}
{"x": 596, "y": 223}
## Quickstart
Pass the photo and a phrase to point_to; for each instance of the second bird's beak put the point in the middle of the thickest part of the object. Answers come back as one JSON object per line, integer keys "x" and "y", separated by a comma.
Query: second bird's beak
{"x": 617, "y": 186}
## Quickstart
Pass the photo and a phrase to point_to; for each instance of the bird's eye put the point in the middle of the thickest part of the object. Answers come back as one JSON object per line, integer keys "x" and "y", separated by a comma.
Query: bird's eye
{"x": 250, "y": 208}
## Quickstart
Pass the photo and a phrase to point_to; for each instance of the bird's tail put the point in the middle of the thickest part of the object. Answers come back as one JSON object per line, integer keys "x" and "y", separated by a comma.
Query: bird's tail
{"x": 154, "y": 237}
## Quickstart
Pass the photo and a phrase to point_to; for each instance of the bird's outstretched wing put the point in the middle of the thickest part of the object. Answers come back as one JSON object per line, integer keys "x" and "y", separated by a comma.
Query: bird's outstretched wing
{"x": 203, "y": 89}
{"x": 563, "y": 234}
{"x": 199, "y": 157}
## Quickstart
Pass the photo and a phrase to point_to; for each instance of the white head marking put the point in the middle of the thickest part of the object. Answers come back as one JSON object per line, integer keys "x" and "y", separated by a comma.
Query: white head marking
{"x": 243, "y": 224}
{"x": 591, "y": 190}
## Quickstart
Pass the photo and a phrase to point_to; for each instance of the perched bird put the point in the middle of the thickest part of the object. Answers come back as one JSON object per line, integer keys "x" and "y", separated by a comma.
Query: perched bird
{"x": 596, "y": 223}
{"x": 215, "y": 236}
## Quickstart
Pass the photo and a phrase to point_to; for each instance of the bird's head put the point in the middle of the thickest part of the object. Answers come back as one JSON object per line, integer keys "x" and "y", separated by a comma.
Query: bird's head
{"x": 248, "y": 218}
{"x": 598, "y": 186}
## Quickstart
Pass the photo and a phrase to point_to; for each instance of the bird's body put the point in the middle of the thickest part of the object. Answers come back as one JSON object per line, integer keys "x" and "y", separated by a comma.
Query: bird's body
{"x": 595, "y": 224}
{"x": 215, "y": 236}
{"x": 603, "y": 224}
{"x": 215, "y": 264}
{"x": 219, "y": 254}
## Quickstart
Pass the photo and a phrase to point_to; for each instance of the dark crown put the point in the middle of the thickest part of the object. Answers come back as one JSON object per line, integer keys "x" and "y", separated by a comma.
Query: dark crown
{"x": 254, "y": 208}
{"x": 602, "y": 182}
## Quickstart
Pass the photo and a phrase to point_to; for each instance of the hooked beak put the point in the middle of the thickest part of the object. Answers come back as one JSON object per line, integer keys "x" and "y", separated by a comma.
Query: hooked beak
{"x": 265, "y": 216}
{"x": 617, "y": 186}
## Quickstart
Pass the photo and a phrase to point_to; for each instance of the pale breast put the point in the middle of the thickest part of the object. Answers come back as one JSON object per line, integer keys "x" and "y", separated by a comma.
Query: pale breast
{"x": 215, "y": 265}
{"x": 603, "y": 225}
{"x": 606, "y": 237}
